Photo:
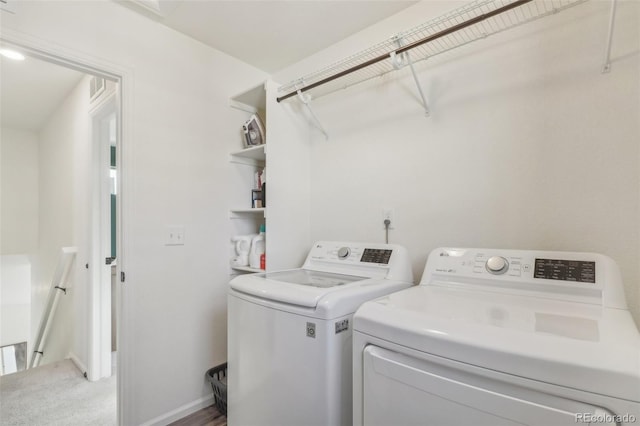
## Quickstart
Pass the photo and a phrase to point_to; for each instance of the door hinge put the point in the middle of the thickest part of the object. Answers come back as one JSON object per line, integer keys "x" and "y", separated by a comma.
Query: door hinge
{"x": 121, "y": 276}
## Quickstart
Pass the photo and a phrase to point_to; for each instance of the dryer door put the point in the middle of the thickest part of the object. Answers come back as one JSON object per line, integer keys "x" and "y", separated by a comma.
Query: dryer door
{"x": 399, "y": 389}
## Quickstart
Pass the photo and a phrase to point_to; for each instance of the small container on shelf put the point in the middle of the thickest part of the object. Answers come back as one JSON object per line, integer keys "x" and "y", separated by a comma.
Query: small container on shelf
{"x": 256, "y": 198}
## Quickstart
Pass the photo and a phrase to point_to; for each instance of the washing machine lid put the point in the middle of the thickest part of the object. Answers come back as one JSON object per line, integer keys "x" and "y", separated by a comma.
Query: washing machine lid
{"x": 301, "y": 287}
{"x": 311, "y": 278}
{"x": 334, "y": 280}
{"x": 570, "y": 344}
{"x": 312, "y": 293}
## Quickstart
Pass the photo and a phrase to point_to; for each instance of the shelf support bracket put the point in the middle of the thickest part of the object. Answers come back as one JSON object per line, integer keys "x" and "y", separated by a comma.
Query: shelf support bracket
{"x": 399, "y": 61}
{"x": 607, "y": 54}
{"x": 306, "y": 100}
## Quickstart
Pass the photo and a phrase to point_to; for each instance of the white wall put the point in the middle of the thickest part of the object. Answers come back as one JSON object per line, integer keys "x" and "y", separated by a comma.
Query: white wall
{"x": 288, "y": 185}
{"x": 175, "y": 167}
{"x": 38, "y": 179}
{"x": 15, "y": 300}
{"x": 64, "y": 142}
{"x": 18, "y": 231}
{"x": 19, "y": 191}
{"x": 528, "y": 145}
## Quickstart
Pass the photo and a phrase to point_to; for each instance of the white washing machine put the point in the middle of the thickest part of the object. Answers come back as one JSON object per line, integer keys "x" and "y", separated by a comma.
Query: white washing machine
{"x": 500, "y": 337}
{"x": 290, "y": 333}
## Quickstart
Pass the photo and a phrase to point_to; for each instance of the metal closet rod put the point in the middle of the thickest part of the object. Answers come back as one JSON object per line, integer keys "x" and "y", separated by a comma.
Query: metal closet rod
{"x": 410, "y": 46}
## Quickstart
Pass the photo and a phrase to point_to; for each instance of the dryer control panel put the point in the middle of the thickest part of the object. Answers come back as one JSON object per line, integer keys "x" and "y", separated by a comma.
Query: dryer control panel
{"x": 565, "y": 270}
{"x": 587, "y": 277}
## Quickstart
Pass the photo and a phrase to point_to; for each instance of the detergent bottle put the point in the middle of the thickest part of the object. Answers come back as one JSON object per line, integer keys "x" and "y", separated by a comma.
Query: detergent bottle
{"x": 257, "y": 255}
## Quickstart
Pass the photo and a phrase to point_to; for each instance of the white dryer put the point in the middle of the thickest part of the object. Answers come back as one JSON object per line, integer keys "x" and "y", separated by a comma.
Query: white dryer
{"x": 500, "y": 337}
{"x": 290, "y": 333}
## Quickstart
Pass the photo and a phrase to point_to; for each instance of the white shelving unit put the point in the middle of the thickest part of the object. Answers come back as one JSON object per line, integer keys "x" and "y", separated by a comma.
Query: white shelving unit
{"x": 287, "y": 152}
{"x": 246, "y": 162}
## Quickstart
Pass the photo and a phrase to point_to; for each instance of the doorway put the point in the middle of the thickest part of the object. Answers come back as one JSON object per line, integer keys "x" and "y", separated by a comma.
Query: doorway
{"x": 98, "y": 241}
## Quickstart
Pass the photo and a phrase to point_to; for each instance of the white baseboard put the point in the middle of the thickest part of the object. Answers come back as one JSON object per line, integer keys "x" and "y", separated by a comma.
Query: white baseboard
{"x": 74, "y": 358}
{"x": 180, "y": 412}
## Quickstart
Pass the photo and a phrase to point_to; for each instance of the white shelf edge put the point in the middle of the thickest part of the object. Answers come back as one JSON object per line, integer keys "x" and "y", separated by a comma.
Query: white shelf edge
{"x": 239, "y": 213}
{"x": 247, "y": 161}
{"x": 249, "y": 152}
{"x": 246, "y": 269}
{"x": 256, "y": 155}
{"x": 243, "y": 107}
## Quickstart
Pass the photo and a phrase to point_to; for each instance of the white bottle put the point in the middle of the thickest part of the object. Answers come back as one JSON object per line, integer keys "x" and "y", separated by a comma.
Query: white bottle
{"x": 257, "y": 248}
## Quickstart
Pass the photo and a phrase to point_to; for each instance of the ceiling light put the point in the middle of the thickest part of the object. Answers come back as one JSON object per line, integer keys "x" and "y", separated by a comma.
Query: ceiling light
{"x": 12, "y": 54}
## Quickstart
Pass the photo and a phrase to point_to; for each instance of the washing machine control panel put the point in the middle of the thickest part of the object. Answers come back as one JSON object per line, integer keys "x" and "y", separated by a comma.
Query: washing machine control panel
{"x": 344, "y": 252}
{"x": 352, "y": 253}
{"x": 389, "y": 261}
{"x": 497, "y": 265}
{"x": 381, "y": 256}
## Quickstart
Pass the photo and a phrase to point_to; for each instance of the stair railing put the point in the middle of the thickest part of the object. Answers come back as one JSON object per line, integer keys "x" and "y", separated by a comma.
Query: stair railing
{"x": 58, "y": 286}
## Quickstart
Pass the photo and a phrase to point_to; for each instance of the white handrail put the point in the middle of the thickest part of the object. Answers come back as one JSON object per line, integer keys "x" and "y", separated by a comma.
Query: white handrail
{"x": 58, "y": 285}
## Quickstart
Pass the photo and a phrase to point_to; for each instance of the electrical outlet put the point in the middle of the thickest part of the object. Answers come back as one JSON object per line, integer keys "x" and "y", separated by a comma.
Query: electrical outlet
{"x": 387, "y": 214}
{"x": 174, "y": 236}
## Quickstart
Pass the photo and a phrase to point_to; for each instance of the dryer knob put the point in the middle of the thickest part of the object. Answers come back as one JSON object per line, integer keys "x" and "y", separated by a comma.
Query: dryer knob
{"x": 497, "y": 265}
{"x": 344, "y": 252}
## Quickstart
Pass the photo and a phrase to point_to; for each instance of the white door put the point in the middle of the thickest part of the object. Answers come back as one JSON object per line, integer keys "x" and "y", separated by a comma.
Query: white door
{"x": 102, "y": 312}
{"x": 403, "y": 390}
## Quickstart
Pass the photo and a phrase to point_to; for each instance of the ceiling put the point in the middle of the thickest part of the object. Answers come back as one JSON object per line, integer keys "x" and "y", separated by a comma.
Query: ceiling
{"x": 268, "y": 34}
{"x": 31, "y": 90}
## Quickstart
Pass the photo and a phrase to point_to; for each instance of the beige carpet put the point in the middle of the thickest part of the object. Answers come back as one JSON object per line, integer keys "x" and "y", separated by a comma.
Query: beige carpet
{"x": 56, "y": 394}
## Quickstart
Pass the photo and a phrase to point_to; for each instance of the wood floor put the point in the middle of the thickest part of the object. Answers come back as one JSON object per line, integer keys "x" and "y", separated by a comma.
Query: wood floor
{"x": 209, "y": 416}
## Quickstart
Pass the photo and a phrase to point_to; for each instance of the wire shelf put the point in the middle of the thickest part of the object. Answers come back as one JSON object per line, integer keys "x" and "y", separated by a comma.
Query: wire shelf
{"x": 471, "y": 22}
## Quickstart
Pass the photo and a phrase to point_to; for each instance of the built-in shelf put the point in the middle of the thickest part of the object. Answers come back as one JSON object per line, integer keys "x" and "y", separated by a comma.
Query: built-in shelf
{"x": 251, "y": 101}
{"x": 247, "y": 162}
{"x": 242, "y": 213}
{"x": 246, "y": 269}
{"x": 254, "y": 156}
{"x": 257, "y": 152}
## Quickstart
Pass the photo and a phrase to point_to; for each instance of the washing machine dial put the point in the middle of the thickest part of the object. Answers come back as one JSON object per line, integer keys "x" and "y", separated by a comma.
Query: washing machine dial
{"x": 344, "y": 252}
{"x": 497, "y": 265}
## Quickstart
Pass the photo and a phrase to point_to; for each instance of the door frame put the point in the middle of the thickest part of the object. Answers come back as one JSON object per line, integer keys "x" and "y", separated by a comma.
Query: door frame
{"x": 99, "y": 338}
{"x": 123, "y": 76}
